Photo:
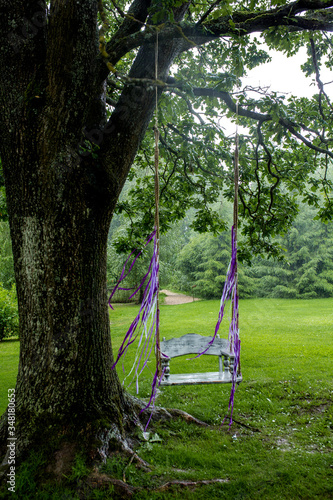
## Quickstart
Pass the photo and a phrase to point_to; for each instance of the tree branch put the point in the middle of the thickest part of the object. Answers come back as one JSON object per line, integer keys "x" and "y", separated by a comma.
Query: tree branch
{"x": 319, "y": 82}
{"x": 191, "y": 141}
{"x": 189, "y": 106}
{"x": 133, "y": 22}
{"x": 208, "y": 12}
{"x": 289, "y": 126}
{"x": 269, "y": 163}
{"x": 134, "y": 110}
{"x": 240, "y": 23}
{"x": 231, "y": 104}
{"x": 225, "y": 96}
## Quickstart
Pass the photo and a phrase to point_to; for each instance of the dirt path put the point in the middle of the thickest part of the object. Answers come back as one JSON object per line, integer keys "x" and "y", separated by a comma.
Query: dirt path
{"x": 172, "y": 298}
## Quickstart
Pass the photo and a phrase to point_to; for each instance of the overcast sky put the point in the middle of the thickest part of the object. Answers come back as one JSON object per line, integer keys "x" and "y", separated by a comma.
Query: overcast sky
{"x": 284, "y": 75}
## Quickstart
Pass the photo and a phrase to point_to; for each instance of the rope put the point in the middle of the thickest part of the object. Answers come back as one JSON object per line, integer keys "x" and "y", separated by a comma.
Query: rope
{"x": 157, "y": 191}
{"x": 157, "y": 200}
{"x": 235, "y": 218}
{"x": 236, "y": 175}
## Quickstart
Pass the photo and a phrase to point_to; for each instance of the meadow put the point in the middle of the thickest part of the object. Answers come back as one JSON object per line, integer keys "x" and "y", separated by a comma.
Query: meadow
{"x": 280, "y": 445}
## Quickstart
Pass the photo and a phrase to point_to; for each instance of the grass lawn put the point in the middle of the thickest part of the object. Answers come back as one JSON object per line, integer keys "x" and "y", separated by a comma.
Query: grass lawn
{"x": 9, "y": 355}
{"x": 280, "y": 446}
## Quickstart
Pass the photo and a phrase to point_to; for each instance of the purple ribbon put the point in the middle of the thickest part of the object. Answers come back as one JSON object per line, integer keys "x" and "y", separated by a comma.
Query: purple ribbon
{"x": 146, "y": 323}
{"x": 123, "y": 275}
{"x": 230, "y": 293}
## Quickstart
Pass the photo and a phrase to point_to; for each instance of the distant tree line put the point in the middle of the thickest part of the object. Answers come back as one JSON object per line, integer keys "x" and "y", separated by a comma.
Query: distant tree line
{"x": 197, "y": 263}
{"x": 304, "y": 270}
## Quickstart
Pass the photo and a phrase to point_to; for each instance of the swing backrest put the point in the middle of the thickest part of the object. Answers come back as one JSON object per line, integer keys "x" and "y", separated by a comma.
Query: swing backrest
{"x": 193, "y": 343}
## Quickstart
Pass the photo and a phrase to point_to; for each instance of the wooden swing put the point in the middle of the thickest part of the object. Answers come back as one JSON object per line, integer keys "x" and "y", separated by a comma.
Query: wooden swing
{"x": 193, "y": 343}
{"x": 146, "y": 324}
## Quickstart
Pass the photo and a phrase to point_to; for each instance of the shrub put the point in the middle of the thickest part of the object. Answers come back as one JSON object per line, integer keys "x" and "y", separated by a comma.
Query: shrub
{"x": 9, "y": 323}
{"x": 284, "y": 292}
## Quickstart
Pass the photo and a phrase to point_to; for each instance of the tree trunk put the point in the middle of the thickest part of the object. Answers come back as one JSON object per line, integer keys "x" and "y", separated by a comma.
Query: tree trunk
{"x": 60, "y": 255}
{"x": 60, "y": 205}
{"x": 60, "y": 201}
{"x": 59, "y": 240}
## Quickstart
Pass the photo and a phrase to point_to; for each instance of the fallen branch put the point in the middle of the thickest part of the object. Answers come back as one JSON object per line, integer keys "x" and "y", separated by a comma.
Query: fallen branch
{"x": 253, "y": 429}
{"x": 187, "y": 417}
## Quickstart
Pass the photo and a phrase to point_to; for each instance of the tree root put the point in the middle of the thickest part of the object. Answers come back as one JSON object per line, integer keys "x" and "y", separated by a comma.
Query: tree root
{"x": 123, "y": 490}
{"x": 127, "y": 466}
{"x": 253, "y": 429}
{"x": 158, "y": 413}
{"x": 190, "y": 484}
{"x": 113, "y": 440}
{"x": 187, "y": 417}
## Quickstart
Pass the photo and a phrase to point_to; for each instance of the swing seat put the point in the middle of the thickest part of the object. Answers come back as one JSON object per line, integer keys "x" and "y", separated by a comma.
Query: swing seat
{"x": 193, "y": 343}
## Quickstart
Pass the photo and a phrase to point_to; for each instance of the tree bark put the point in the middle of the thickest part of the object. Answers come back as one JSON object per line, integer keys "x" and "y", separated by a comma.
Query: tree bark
{"x": 59, "y": 219}
{"x": 59, "y": 213}
{"x": 60, "y": 201}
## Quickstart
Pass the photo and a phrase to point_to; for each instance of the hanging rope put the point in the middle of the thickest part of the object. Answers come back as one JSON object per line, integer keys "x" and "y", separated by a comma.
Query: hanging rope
{"x": 157, "y": 217}
{"x": 236, "y": 187}
{"x": 236, "y": 175}
{"x": 145, "y": 327}
{"x": 235, "y": 217}
{"x": 234, "y": 324}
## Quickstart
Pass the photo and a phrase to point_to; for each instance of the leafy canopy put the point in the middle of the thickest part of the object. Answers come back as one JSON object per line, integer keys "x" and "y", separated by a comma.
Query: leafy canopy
{"x": 285, "y": 141}
{"x": 205, "y": 49}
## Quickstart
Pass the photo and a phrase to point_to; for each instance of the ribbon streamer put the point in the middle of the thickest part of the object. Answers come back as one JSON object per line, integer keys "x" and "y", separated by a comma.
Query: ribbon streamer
{"x": 146, "y": 323}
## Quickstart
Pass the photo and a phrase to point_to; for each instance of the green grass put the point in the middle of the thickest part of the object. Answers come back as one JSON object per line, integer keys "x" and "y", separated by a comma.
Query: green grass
{"x": 287, "y": 353}
{"x": 281, "y": 338}
{"x": 281, "y": 446}
{"x": 9, "y": 354}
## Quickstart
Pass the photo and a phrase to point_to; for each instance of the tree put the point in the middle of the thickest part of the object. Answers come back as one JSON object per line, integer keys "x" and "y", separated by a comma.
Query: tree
{"x": 77, "y": 94}
{"x": 204, "y": 262}
{"x": 306, "y": 270}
